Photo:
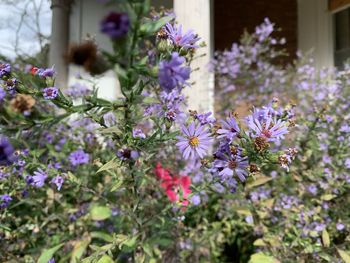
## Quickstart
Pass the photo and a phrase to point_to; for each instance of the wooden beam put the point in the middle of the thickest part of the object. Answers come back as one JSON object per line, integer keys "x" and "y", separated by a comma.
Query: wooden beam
{"x": 335, "y": 5}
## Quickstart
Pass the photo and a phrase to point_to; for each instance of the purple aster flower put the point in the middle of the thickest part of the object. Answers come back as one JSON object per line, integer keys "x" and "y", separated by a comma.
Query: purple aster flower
{"x": 39, "y": 178}
{"x": 58, "y": 181}
{"x": 5, "y": 200}
{"x": 205, "y": 118}
{"x": 340, "y": 226}
{"x": 230, "y": 128}
{"x": 126, "y": 154}
{"x": 196, "y": 200}
{"x": 347, "y": 163}
{"x": 5, "y": 69}
{"x": 109, "y": 119}
{"x": 233, "y": 165}
{"x": 138, "y": 133}
{"x": 115, "y": 25}
{"x": 171, "y": 74}
{"x": 6, "y": 151}
{"x": 2, "y": 94}
{"x": 249, "y": 219}
{"x": 179, "y": 39}
{"x": 312, "y": 189}
{"x": 52, "y": 260}
{"x": 271, "y": 130}
{"x": 78, "y": 157}
{"x": 44, "y": 73}
{"x": 50, "y": 93}
{"x": 195, "y": 142}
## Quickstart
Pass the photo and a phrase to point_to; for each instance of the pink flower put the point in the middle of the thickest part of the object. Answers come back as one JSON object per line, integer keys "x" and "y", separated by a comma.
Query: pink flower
{"x": 177, "y": 188}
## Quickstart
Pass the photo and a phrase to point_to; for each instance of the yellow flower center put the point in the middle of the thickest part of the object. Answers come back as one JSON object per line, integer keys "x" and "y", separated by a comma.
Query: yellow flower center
{"x": 193, "y": 141}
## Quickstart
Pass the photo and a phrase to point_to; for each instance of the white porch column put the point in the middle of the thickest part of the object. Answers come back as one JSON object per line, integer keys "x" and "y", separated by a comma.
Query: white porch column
{"x": 315, "y": 30}
{"x": 59, "y": 39}
{"x": 196, "y": 15}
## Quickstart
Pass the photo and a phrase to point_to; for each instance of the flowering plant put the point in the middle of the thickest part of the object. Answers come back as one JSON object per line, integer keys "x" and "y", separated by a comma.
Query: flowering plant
{"x": 297, "y": 216}
{"x": 139, "y": 179}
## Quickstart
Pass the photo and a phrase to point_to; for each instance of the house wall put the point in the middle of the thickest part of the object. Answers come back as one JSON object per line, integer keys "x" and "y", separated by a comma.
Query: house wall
{"x": 85, "y": 20}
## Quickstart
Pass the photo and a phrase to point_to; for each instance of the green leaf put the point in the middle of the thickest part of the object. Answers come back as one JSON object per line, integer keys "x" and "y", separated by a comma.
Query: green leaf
{"x": 130, "y": 242}
{"x": 150, "y": 100}
{"x": 47, "y": 254}
{"x": 116, "y": 185}
{"x": 327, "y": 197}
{"x": 105, "y": 259}
{"x": 262, "y": 258}
{"x": 259, "y": 243}
{"x": 259, "y": 181}
{"x": 325, "y": 238}
{"x": 102, "y": 235}
{"x": 113, "y": 129}
{"x": 78, "y": 250}
{"x": 151, "y": 27}
{"x": 100, "y": 213}
{"x": 344, "y": 255}
{"x": 73, "y": 178}
{"x": 112, "y": 164}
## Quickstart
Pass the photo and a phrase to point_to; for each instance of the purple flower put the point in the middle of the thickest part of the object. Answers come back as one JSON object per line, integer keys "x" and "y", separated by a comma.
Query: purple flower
{"x": 115, "y": 25}
{"x": 78, "y": 157}
{"x": 195, "y": 142}
{"x": 5, "y": 200}
{"x": 6, "y": 151}
{"x": 5, "y": 69}
{"x": 233, "y": 165}
{"x": 109, "y": 119}
{"x": 52, "y": 260}
{"x": 340, "y": 226}
{"x": 186, "y": 41}
{"x": 78, "y": 90}
{"x": 44, "y": 73}
{"x": 39, "y": 178}
{"x": 2, "y": 94}
{"x": 50, "y": 93}
{"x": 138, "y": 133}
{"x": 347, "y": 163}
{"x": 205, "y": 118}
{"x": 196, "y": 200}
{"x": 271, "y": 130}
{"x": 230, "y": 128}
{"x": 58, "y": 181}
{"x": 312, "y": 189}
{"x": 171, "y": 74}
{"x": 126, "y": 154}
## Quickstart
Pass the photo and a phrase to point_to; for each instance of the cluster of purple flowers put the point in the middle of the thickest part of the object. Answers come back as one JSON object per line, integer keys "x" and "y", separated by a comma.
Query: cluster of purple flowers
{"x": 229, "y": 163}
{"x": 115, "y": 25}
{"x": 5, "y": 200}
{"x": 7, "y": 156}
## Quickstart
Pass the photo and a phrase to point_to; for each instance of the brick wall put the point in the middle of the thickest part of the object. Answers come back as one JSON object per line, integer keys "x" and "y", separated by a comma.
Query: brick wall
{"x": 231, "y": 17}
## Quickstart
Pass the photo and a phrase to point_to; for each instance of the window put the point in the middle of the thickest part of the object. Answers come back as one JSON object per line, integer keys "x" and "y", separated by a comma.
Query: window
{"x": 341, "y": 21}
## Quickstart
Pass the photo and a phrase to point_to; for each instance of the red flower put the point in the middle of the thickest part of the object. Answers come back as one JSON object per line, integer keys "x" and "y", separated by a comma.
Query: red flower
{"x": 177, "y": 188}
{"x": 33, "y": 70}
